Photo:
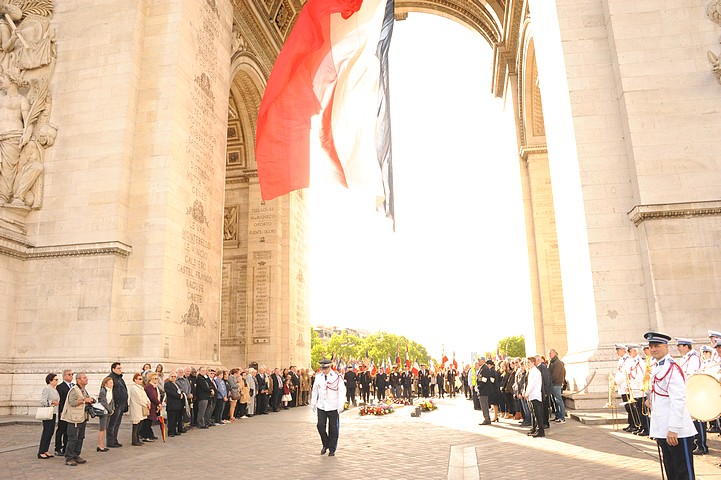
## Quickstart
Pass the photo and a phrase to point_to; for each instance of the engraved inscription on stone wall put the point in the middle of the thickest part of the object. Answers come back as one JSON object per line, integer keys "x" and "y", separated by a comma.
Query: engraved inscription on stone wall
{"x": 262, "y": 222}
{"x": 195, "y": 266}
{"x": 234, "y": 307}
{"x": 261, "y": 297}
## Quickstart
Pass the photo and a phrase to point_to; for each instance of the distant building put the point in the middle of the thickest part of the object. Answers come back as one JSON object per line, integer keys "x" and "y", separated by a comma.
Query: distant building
{"x": 324, "y": 333}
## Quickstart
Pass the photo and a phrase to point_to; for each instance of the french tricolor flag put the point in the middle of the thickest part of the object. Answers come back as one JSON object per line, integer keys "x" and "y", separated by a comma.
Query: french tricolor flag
{"x": 333, "y": 70}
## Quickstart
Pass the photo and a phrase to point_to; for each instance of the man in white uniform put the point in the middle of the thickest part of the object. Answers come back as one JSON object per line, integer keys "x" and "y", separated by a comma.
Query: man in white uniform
{"x": 671, "y": 424}
{"x": 690, "y": 363}
{"x": 327, "y": 399}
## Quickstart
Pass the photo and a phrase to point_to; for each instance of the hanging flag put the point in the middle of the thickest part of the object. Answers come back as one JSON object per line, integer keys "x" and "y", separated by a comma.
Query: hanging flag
{"x": 455, "y": 364}
{"x": 330, "y": 65}
{"x": 374, "y": 370}
{"x": 444, "y": 359}
{"x": 415, "y": 368}
{"x": 398, "y": 355}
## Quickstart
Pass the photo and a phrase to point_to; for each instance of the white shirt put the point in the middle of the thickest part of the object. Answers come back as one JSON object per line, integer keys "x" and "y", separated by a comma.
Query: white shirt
{"x": 328, "y": 392}
{"x": 535, "y": 382}
{"x": 668, "y": 401}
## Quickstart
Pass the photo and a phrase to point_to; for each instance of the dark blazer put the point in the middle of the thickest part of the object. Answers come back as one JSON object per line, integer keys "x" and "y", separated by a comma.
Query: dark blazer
{"x": 485, "y": 388}
{"x": 63, "y": 390}
{"x": 203, "y": 388}
{"x": 173, "y": 397}
{"x": 381, "y": 381}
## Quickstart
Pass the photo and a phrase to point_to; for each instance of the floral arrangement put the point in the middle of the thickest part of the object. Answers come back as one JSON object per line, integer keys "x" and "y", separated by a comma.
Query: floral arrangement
{"x": 428, "y": 405}
{"x": 346, "y": 406}
{"x": 380, "y": 409}
{"x": 401, "y": 401}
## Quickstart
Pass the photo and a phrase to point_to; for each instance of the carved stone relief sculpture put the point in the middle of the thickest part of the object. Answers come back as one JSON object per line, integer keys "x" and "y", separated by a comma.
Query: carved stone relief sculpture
{"x": 714, "y": 13}
{"x": 27, "y": 61}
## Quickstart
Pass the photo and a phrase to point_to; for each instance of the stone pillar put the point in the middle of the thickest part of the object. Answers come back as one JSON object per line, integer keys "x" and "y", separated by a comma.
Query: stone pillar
{"x": 171, "y": 307}
{"x": 547, "y": 288}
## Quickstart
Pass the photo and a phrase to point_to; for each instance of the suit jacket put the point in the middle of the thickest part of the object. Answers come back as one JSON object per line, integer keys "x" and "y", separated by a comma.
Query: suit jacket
{"x": 277, "y": 384}
{"x": 262, "y": 381}
{"x": 483, "y": 381}
{"x": 424, "y": 378}
{"x": 204, "y": 390}
{"x": 364, "y": 379}
{"x": 63, "y": 390}
{"x": 173, "y": 397}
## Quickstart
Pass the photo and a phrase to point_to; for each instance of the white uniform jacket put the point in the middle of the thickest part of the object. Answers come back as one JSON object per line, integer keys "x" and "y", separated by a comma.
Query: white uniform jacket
{"x": 690, "y": 363}
{"x": 623, "y": 369}
{"x": 328, "y": 392}
{"x": 635, "y": 375}
{"x": 668, "y": 401}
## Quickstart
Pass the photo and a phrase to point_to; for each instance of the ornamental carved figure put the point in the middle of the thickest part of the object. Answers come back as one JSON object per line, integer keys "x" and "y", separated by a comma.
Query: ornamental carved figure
{"x": 27, "y": 61}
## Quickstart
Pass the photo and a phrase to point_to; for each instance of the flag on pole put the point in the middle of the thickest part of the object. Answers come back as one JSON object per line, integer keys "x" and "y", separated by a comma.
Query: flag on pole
{"x": 408, "y": 357}
{"x": 415, "y": 368}
{"x": 398, "y": 355}
{"x": 333, "y": 64}
{"x": 374, "y": 370}
{"x": 444, "y": 359}
{"x": 455, "y": 364}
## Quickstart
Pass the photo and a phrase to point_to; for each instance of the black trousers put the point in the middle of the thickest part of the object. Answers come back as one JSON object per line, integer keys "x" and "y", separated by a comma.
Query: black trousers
{"x": 111, "y": 434}
{"x": 350, "y": 395}
{"x": 677, "y": 460}
{"x": 175, "y": 421}
{"x": 146, "y": 428}
{"x": 61, "y": 436}
{"x": 262, "y": 399}
{"x": 700, "y": 439}
{"x": 537, "y": 416}
{"x": 328, "y": 420}
{"x": 365, "y": 393}
{"x": 47, "y": 435}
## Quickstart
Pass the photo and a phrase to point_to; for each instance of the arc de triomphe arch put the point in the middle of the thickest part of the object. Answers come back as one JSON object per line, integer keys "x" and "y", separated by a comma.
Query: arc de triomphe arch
{"x": 139, "y": 234}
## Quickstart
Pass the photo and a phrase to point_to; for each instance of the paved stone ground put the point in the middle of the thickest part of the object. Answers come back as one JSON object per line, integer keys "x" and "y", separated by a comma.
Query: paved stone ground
{"x": 445, "y": 444}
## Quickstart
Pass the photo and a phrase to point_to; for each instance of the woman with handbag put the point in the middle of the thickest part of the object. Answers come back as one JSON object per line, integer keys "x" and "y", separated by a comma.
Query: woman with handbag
{"x": 139, "y": 407}
{"x": 105, "y": 397}
{"x": 153, "y": 393}
{"x": 49, "y": 401}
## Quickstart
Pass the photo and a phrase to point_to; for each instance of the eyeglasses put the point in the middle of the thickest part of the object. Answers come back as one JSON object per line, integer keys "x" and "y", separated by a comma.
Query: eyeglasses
{"x": 173, "y": 376}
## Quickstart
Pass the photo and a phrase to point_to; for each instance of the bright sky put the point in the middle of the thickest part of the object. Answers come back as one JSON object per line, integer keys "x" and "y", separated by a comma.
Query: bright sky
{"x": 455, "y": 272}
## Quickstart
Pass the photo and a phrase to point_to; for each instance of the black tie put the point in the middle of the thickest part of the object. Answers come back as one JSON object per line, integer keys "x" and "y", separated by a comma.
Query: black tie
{"x": 326, "y": 378}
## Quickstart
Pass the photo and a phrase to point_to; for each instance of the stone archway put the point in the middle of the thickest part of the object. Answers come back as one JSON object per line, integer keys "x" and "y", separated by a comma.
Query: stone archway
{"x": 504, "y": 26}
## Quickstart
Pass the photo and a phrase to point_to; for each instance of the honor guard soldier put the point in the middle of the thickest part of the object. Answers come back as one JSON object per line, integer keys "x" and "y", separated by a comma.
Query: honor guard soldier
{"x": 623, "y": 368}
{"x": 635, "y": 388}
{"x": 690, "y": 363}
{"x": 707, "y": 362}
{"x": 714, "y": 335}
{"x": 671, "y": 424}
{"x": 327, "y": 399}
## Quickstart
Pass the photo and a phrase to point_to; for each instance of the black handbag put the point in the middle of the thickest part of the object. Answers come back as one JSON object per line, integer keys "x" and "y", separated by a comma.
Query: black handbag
{"x": 96, "y": 410}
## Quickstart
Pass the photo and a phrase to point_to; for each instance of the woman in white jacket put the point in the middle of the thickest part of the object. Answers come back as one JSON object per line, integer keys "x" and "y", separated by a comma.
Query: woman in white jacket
{"x": 139, "y": 406}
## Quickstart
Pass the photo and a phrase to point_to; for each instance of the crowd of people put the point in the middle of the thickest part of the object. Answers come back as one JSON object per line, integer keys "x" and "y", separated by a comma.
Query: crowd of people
{"x": 525, "y": 389}
{"x": 187, "y": 397}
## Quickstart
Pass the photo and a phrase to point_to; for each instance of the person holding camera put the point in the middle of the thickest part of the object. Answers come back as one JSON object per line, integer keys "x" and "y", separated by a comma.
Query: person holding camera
{"x": 76, "y": 416}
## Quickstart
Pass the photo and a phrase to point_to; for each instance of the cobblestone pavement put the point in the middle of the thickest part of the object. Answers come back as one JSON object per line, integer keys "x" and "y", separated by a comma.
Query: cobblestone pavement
{"x": 444, "y": 444}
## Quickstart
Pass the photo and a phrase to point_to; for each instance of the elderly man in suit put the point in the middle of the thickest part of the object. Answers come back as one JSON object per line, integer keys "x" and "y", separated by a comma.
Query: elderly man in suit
{"x": 61, "y": 435}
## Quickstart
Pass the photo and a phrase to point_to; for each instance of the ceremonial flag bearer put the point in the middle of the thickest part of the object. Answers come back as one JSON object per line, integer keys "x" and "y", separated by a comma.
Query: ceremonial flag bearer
{"x": 327, "y": 399}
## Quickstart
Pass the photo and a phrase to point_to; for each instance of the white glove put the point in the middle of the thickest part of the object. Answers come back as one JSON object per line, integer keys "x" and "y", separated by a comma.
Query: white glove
{"x": 340, "y": 410}
{"x": 313, "y": 408}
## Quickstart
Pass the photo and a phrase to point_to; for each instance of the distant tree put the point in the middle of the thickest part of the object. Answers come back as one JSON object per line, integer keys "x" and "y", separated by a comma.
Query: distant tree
{"x": 513, "y": 346}
{"x": 378, "y": 346}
